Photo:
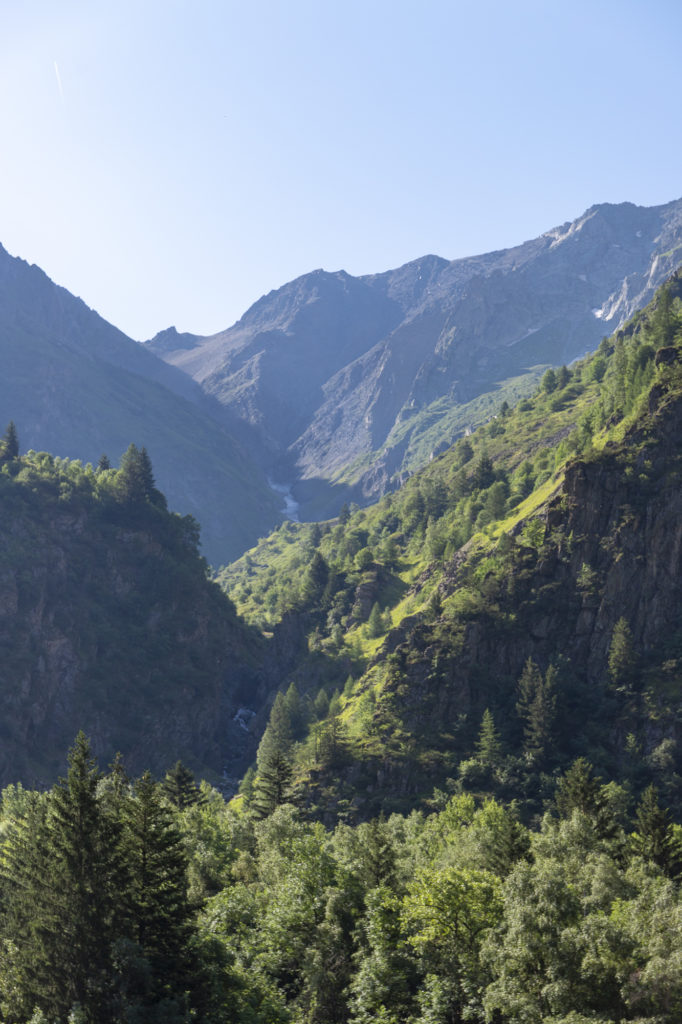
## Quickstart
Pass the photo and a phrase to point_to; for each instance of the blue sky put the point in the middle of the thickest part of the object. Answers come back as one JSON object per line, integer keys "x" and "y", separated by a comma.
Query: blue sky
{"x": 172, "y": 161}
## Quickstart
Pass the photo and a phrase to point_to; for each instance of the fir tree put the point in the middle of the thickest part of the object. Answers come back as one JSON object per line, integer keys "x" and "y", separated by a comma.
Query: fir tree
{"x": 579, "y": 790}
{"x": 655, "y": 839}
{"x": 375, "y": 625}
{"x": 85, "y": 879}
{"x": 272, "y": 786}
{"x": 10, "y": 443}
{"x": 537, "y": 708}
{"x": 622, "y": 661}
{"x": 488, "y": 745}
{"x": 180, "y": 788}
{"x": 160, "y": 914}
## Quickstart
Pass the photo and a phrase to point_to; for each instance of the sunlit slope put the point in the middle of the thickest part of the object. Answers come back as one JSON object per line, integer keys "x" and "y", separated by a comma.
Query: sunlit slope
{"x": 540, "y": 536}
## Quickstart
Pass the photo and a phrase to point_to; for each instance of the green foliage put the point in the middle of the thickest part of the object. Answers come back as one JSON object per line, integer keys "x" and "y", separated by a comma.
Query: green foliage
{"x": 9, "y": 445}
{"x": 488, "y": 745}
{"x": 622, "y": 660}
{"x": 537, "y": 709}
{"x": 180, "y": 788}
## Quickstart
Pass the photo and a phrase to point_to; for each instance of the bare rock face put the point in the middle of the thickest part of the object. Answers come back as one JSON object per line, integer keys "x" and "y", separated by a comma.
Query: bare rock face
{"x": 351, "y": 382}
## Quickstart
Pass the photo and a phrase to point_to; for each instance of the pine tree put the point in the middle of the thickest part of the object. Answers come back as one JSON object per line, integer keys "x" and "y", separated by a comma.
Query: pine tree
{"x": 160, "y": 914}
{"x": 488, "y": 745}
{"x": 84, "y": 845}
{"x": 655, "y": 838}
{"x": 136, "y": 477}
{"x": 273, "y": 784}
{"x": 180, "y": 788}
{"x": 622, "y": 660}
{"x": 10, "y": 443}
{"x": 537, "y": 707}
{"x": 579, "y": 790}
{"x": 27, "y": 976}
{"x": 549, "y": 381}
{"x": 375, "y": 625}
{"x": 298, "y": 718}
{"x": 316, "y": 579}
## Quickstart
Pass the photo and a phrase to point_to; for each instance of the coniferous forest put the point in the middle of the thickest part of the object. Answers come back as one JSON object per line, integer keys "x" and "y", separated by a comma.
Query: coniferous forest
{"x": 461, "y": 789}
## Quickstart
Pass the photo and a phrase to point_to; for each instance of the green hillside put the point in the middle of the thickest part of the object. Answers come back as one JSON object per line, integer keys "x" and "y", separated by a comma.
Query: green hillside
{"x": 502, "y": 576}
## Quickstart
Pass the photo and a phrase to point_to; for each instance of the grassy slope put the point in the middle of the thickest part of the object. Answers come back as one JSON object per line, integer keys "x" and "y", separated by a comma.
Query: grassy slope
{"x": 406, "y": 552}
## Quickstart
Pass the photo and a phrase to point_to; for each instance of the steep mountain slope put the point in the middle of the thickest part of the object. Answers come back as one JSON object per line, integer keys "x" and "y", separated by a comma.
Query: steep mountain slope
{"x": 546, "y": 546}
{"x": 356, "y": 381}
{"x": 108, "y": 623}
{"x": 78, "y": 387}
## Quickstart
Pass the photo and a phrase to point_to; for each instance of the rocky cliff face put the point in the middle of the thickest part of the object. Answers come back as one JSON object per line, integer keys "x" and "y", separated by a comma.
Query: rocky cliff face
{"x": 352, "y": 382}
{"x": 108, "y": 623}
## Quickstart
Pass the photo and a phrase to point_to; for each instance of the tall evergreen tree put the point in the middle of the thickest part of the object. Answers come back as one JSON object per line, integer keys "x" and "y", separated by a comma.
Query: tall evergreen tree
{"x": 28, "y": 912}
{"x": 179, "y": 786}
{"x": 655, "y": 839}
{"x": 160, "y": 913}
{"x": 622, "y": 660}
{"x": 488, "y": 745}
{"x": 272, "y": 786}
{"x": 84, "y": 844}
{"x": 537, "y": 708}
{"x": 69, "y": 891}
{"x": 10, "y": 443}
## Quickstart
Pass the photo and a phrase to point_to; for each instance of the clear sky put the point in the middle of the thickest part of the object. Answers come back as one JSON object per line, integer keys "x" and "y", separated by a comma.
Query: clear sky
{"x": 171, "y": 161}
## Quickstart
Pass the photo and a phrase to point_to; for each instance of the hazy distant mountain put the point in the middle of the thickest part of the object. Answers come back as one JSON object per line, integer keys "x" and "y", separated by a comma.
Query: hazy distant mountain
{"x": 351, "y": 382}
{"x": 78, "y": 387}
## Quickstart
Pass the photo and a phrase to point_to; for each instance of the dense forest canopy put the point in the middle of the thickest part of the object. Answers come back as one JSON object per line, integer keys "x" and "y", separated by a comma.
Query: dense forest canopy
{"x": 127, "y": 901}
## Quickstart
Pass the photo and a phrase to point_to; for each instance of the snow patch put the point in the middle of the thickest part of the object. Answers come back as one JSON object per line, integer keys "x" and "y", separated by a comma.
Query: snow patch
{"x": 598, "y": 313}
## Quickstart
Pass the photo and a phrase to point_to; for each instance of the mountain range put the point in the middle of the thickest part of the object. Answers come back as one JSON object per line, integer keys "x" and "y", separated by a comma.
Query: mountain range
{"x": 352, "y": 383}
{"x": 332, "y": 388}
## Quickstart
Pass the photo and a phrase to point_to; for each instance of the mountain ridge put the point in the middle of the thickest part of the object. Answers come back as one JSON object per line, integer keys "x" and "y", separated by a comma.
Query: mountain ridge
{"x": 78, "y": 387}
{"x": 353, "y": 382}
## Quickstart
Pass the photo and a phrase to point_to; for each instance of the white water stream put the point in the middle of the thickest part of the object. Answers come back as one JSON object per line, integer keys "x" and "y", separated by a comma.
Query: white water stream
{"x": 290, "y": 508}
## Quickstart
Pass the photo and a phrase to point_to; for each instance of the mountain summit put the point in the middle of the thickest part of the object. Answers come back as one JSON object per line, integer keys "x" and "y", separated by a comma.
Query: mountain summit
{"x": 354, "y": 382}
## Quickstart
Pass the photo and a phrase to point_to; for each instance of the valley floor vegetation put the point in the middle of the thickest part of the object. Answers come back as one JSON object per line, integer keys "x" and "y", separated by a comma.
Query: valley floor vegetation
{"x": 131, "y": 901}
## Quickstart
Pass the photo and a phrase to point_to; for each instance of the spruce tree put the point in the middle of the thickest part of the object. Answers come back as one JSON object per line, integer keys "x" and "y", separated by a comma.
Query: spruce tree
{"x": 160, "y": 914}
{"x": 488, "y": 745}
{"x": 10, "y": 443}
{"x": 655, "y": 838}
{"x": 622, "y": 661}
{"x": 579, "y": 790}
{"x": 537, "y": 708}
{"x": 180, "y": 788}
{"x": 375, "y": 625}
{"x": 28, "y": 913}
{"x": 272, "y": 786}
